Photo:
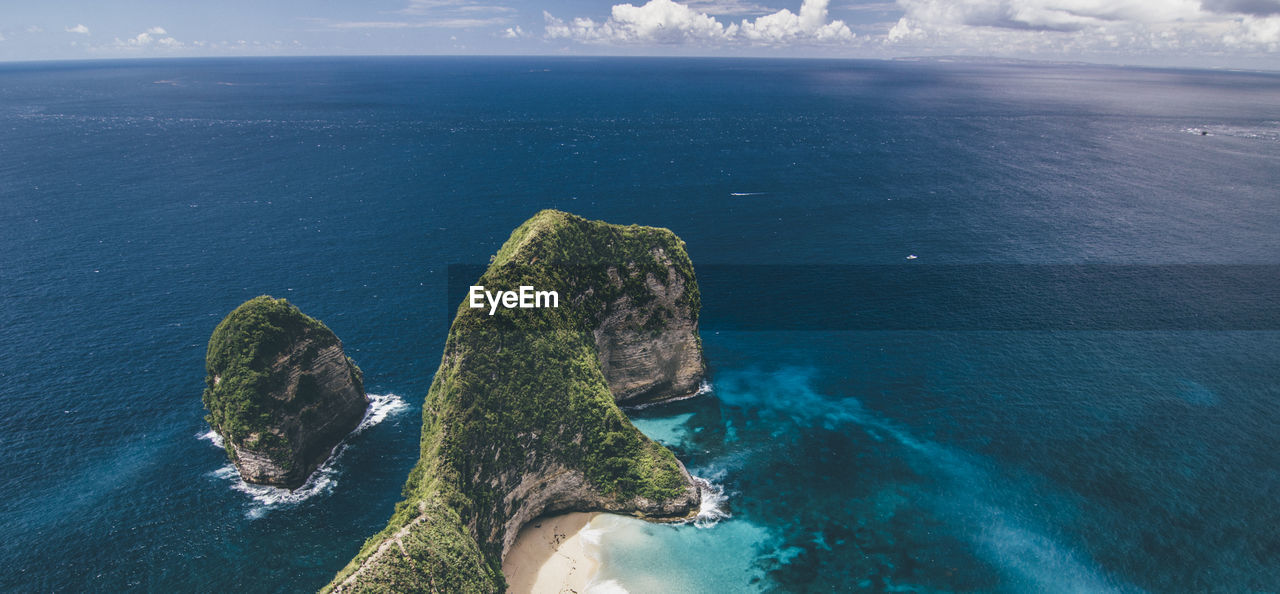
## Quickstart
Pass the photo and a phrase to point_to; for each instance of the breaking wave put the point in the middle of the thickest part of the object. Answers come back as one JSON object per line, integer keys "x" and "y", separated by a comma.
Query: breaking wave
{"x": 212, "y": 437}
{"x": 325, "y": 477}
{"x": 713, "y": 507}
{"x": 704, "y": 388}
{"x": 381, "y": 406}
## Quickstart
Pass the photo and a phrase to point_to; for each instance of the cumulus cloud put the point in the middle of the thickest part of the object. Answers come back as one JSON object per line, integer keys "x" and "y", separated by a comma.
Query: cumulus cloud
{"x": 81, "y": 29}
{"x": 667, "y": 21}
{"x": 153, "y": 37}
{"x": 1087, "y": 26}
{"x": 1048, "y": 15}
{"x": 513, "y": 32}
{"x": 1257, "y": 31}
{"x": 657, "y": 21}
{"x": 784, "y": 26}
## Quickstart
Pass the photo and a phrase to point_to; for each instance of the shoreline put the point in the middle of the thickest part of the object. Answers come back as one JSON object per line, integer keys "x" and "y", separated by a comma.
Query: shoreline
{"x": 549, "y": 556}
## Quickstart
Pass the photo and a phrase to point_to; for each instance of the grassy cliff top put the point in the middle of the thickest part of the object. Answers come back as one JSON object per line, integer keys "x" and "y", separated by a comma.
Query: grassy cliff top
{"x": 241, "y": 352}
{"x": 576, "y": 252}
{"x": 521, "y": 394}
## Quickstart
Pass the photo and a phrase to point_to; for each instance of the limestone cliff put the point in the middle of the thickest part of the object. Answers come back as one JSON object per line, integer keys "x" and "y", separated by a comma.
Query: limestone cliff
{"x": 522, "y": 418}
{"x": 649, "y": 348}
{"x": 280, "y": 391}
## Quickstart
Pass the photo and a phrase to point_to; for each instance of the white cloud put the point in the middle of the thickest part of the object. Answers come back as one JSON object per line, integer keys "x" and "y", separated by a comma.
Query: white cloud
{"x": 666, "y": 21}
{"x": 784, "y": 26}
{"x": 34, "y": 29}
{"x": 81, "y": 29}
{"x": 1072, "y": 27}
{"x": 1050, "y": 15}
{"x": 153, "y": 37}
{"x": 1260, "y": 31}
{"x": 661, "y": 21}
{"x": 657, "y": 21}
{"x": 513, "y": 32}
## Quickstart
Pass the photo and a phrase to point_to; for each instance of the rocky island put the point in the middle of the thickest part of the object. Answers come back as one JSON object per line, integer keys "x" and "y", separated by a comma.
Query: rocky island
{"x": 522, "y": 417}
{"x": 280, "y": 391}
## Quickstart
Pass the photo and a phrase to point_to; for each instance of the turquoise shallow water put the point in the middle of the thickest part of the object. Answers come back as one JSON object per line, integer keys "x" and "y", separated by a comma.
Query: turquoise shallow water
{"x": 940, "y": 470}
{"x": 862, "y": 440}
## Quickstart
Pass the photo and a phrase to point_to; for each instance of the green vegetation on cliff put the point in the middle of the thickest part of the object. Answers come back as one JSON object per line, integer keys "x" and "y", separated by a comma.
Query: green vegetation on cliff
{"x": 520, "y": 399}
{"x": 241, "y": 352}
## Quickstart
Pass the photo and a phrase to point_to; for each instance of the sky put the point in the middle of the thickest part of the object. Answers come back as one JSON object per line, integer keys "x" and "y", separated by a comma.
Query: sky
{"x": 1200, "y": 33}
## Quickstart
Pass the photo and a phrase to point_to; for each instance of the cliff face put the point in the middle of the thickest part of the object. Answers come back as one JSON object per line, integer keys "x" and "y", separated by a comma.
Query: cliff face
{"x": 280, "y": 391}
{"x": 650, "y": 350}
{"x": 521, "y": 419}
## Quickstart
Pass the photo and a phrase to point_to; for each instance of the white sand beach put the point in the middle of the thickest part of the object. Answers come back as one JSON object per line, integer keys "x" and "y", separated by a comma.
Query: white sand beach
{"x": 549, "y": 558}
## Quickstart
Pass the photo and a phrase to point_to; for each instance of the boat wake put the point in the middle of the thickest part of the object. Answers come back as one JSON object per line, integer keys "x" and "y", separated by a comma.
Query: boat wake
{"x": 322, "y": 481}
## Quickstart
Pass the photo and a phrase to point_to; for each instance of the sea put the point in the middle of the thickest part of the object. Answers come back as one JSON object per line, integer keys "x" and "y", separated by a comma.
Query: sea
{"x": 970, "y": 326}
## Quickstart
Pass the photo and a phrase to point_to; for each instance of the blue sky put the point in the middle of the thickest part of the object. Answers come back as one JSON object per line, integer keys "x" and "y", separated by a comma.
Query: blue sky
{"x": 1242, "y": 33}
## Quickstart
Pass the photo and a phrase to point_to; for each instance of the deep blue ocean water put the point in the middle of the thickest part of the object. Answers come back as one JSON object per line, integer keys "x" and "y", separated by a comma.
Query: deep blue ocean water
{"x": 141, "y": 201}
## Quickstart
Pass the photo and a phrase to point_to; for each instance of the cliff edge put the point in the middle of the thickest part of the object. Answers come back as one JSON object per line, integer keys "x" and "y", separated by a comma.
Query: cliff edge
{"x": 280, "y": 391}
{"x": 522, "y": 419}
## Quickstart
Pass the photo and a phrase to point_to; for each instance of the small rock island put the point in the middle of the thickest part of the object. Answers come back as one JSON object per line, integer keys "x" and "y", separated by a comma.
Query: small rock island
{"x": 280, "y": 391}
{"x": 522, "y": 417}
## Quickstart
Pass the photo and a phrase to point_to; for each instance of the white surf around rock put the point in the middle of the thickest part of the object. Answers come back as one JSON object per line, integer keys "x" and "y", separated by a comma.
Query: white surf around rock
{"x": 325, "y": 477}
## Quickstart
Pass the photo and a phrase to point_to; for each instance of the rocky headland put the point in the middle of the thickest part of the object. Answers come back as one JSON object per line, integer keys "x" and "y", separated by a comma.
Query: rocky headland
{"x": 280, "y": 391}
{"x": 522, "y": 417}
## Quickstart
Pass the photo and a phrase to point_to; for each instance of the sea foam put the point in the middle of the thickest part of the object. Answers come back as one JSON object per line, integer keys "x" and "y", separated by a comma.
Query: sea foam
{"x": 212, "y": 437}
{"x": 606, "y": 587}
{"x": 380, "y": 407}
{"x": 713, "y": 507}
{"x": 325, "y": 477}
{"x": 703, "y": 388}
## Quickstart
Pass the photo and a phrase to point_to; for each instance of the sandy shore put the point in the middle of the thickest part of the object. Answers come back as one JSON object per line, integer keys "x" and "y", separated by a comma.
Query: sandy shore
{"x": 548, "y": 557}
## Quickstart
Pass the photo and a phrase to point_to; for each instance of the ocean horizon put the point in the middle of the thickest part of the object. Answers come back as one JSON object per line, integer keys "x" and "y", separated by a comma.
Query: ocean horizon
{"x": 969, "y": 326}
